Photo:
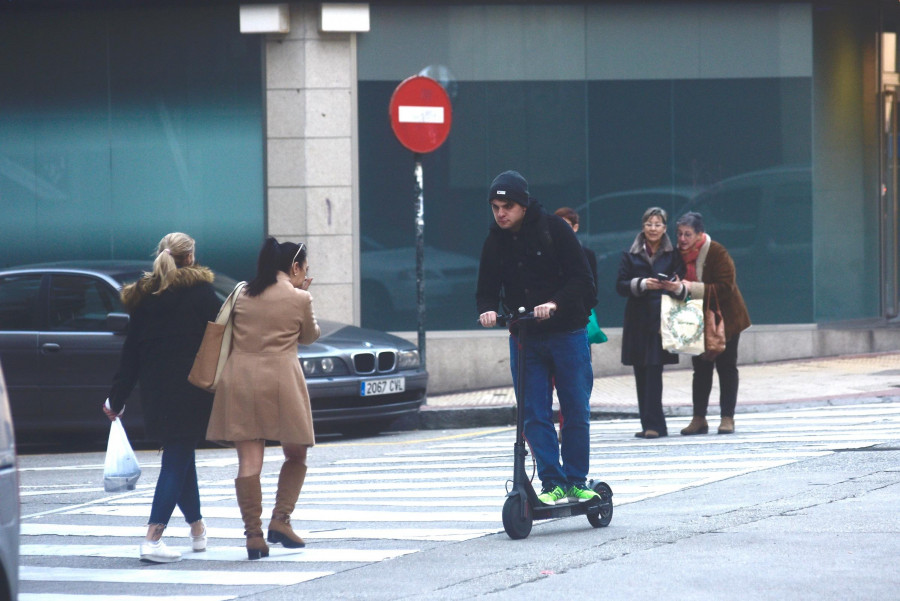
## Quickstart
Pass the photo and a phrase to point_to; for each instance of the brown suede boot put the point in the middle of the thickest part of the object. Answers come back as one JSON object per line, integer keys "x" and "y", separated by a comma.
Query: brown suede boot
{"x": 698, "y": 425}
{"x": 727, "y": 425}
{"x": 249, "y": 498}
{"x": 290, "y": 481}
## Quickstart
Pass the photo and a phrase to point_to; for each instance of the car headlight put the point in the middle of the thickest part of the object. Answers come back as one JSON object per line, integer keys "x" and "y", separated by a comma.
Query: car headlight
{"x": 323, "y": 366}
{"x": 408, "y": 360}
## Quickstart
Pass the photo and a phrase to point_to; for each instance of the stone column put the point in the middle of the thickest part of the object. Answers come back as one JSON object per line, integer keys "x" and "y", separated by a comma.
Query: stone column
{"x": 312, "y": 170}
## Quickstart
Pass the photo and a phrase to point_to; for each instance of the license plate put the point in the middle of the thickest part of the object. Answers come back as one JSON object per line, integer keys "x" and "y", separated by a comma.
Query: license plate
{"x": 386, "y": 386}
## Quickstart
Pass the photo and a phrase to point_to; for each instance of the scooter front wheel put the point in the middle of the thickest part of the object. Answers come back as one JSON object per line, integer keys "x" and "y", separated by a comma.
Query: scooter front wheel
{"x": 604, "y": 516}
{"x": 517, "y": 518}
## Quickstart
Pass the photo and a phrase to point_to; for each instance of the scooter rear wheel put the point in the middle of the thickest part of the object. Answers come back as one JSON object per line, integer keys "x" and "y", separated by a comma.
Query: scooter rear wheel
{"x": 516, "y": 522}
{"x": 604, "y": 516}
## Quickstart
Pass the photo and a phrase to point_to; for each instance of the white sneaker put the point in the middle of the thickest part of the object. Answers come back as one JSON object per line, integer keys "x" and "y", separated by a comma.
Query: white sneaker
{"x": 158, "y": 552}
{"x": 198, "y": 543}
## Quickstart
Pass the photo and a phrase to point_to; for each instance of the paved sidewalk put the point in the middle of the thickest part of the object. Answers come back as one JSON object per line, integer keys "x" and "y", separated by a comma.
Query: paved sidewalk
{"x": 763, "y": 386}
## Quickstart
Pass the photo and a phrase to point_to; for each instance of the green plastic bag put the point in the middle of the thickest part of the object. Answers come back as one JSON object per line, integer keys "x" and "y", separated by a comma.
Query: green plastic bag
{"x": 595, "y": 334}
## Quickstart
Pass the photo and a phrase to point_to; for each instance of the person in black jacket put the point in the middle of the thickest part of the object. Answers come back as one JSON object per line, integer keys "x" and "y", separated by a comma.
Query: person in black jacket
{"x": 532, "y": 259}
{"x": 571, "y": 217}
{"x": 650, "y": 268}
{"x": 169, "y": 310}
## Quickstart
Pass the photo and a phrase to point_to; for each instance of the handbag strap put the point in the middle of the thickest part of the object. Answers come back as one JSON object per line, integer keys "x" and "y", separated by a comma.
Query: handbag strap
{"x": 237, "y": 292}
{"x": 227, "y": 309}
{"x": 713, "y": 293}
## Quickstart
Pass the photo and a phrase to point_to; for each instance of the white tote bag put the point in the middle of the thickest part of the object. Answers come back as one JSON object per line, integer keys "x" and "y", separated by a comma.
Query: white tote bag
{"x": 681, "y": 325}
{"x": 121, "y": 470}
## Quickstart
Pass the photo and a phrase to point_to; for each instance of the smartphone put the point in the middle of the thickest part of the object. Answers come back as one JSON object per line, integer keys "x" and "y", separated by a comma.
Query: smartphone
{"x": 662, "y": 276}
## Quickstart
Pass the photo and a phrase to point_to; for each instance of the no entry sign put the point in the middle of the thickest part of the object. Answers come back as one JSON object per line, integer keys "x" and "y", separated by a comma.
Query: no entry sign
{"x": 420, "y": 114}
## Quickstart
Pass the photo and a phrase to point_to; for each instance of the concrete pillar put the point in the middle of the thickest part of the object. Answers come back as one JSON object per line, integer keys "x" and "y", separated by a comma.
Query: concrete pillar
{"x": 311, "y": 155}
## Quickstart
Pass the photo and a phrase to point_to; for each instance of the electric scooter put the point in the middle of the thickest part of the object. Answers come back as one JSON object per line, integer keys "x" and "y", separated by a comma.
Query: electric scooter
{"x": 522, "y": 506}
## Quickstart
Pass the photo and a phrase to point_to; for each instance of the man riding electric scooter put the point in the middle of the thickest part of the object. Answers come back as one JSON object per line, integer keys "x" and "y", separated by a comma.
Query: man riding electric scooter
{"x": 532, "y": 259}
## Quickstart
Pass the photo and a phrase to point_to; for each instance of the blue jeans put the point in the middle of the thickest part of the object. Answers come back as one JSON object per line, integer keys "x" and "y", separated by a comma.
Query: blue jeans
{"x": 177, "y": 484}
{"x": 566, "y": 358}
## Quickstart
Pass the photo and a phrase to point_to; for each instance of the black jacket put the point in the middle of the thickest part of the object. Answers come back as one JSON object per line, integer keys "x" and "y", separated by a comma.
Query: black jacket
{"x": 641, "y": 341}
{"x": 591, "y": 257}
{"x": 526, "y": 269}
{"x": 163, "y": 337}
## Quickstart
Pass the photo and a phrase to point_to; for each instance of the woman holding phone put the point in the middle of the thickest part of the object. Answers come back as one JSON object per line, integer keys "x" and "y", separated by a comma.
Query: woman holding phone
{"x": 650, "y": 268}
{"x": 262, "y": 394}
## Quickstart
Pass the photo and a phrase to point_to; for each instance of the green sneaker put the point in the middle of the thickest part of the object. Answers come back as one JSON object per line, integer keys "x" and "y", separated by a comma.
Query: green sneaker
{"x": 550, "y": 497}
{"x": 577, "y": 493}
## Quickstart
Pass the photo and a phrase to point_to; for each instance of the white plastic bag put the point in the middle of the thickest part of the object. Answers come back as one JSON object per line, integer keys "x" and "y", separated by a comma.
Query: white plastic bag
{"x": 681, "y": 325}
{"x": 121, "y": 470}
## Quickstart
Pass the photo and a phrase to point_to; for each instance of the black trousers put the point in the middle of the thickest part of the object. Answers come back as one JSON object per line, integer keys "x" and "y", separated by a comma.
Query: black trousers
{"x": 726, "y": 365}
{"x": 648, "y": 379}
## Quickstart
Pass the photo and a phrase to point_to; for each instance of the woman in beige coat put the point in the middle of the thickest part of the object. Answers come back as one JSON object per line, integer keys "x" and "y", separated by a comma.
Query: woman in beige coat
{"x": 262, "y": 392}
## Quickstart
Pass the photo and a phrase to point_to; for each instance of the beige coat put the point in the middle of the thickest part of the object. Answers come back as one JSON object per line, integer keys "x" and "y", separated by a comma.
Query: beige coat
{"x": 262, "y": 393}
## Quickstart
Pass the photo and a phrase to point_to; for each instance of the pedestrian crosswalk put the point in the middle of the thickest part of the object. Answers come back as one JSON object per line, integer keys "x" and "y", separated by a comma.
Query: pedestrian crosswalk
{"x": 411, "y": 498}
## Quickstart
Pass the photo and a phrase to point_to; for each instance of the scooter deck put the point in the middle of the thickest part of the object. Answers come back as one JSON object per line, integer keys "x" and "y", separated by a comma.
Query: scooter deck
{"x": 540, "y": 511}
{"x": 564, "y": 510}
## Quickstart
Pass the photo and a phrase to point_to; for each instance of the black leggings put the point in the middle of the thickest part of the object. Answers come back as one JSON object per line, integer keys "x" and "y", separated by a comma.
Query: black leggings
{"x": 726, "y": 365}
{"x": 648, "y": 379}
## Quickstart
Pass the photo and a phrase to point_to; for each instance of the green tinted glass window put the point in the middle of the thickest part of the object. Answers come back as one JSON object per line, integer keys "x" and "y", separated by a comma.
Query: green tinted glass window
{"x": 122, "y": 125}
{"x": 686, "y": 106}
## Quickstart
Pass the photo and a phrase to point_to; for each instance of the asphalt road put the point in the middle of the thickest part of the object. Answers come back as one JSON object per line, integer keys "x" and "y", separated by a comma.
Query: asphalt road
{"x": 798, "y": 504}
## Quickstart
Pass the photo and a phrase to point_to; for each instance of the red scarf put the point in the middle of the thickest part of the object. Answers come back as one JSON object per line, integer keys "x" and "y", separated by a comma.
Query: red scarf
{"x": 689, "y": 257}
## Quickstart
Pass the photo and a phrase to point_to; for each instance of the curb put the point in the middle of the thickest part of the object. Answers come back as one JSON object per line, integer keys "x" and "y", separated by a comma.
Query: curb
{"x": 448, "y": 418}
{"x": 468, "y": 417}
{"x": 479, "y": 417}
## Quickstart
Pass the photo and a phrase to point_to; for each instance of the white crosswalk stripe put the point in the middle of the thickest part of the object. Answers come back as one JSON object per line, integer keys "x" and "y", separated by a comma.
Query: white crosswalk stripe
{"x": 120, "y": 597}
{"x": 209, "y": 577}
{"x": 223, "y": 553}
{"x": 414, "y": 498}
{"x": 217, "y": 533}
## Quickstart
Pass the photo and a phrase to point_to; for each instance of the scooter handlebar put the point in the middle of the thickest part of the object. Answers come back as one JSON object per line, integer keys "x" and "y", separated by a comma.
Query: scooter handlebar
{"x": 511, "y": 318}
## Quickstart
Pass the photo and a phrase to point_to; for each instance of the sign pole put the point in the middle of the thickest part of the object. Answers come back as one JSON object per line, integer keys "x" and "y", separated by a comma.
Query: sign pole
{"x": 420, "y": 115}
{"x": 420, "y": 257}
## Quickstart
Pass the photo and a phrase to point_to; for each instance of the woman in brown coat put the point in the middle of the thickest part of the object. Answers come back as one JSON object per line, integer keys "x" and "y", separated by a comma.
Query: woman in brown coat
{"x": 710, "y": 270}
{"x": 262, "y": 392}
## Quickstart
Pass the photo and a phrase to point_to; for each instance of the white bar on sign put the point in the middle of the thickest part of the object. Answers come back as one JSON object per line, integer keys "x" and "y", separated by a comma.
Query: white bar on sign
{"x": 421, "y": 114}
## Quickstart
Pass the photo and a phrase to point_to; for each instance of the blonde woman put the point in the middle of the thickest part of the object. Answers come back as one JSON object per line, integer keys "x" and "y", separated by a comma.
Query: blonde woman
{"x": 262, "y": 393}
{"x": 169, "y": 309}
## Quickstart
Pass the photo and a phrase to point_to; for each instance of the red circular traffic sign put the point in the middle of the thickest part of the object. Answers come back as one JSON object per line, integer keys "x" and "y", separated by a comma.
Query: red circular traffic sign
{"x": 420, "y": 113}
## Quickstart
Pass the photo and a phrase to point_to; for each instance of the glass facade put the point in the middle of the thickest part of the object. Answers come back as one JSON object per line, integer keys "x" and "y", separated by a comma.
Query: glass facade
{"x": 119, "y": 126}
{"x": 608, "y": 109}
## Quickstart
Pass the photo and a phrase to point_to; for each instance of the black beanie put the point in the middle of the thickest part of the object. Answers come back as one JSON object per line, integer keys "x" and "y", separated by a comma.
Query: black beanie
{"x": 510, "y": 185}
